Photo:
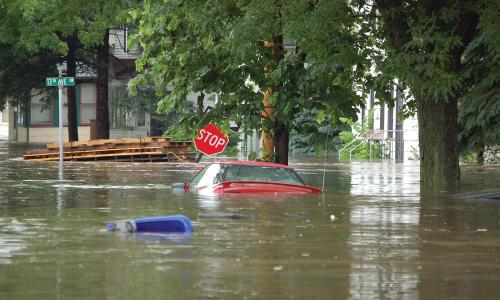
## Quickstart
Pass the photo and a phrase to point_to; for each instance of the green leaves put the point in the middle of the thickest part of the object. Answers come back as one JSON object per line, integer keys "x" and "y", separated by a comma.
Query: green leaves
{"x": 34, "y": 36}
{"x": 321, "y": 117}
{"x": 221, "y": 48}
{"x": 479, "y": 110}
{"x": 331, "y": 50}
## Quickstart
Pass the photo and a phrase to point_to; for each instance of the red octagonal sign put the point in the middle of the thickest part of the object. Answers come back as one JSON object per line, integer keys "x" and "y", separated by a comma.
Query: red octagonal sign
{"x": 211, "y": 140}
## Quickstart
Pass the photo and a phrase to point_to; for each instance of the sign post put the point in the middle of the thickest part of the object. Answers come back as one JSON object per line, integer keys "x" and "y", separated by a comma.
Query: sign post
{"x": 211, "y": 140}
{"x": 60, "y": 82}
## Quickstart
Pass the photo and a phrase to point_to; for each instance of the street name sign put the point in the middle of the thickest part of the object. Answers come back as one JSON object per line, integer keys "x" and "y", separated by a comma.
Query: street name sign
{"x": 60, "y": 81}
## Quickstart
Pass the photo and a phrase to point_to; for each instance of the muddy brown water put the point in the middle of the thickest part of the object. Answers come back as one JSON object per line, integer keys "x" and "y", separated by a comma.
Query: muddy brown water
{"x": 370, "y": 236}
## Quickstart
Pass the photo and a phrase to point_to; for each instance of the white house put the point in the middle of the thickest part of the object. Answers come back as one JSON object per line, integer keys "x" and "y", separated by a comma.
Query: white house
{"x": 386, "y": 128}
{"x": 4, "y": 125}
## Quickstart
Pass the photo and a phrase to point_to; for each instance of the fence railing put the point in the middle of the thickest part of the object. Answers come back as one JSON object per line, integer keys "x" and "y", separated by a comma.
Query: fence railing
{"x": 367, "y": 137}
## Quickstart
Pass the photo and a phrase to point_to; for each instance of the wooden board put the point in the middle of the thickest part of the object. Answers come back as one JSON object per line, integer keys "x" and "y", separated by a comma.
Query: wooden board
{"x": 121, "y": 149}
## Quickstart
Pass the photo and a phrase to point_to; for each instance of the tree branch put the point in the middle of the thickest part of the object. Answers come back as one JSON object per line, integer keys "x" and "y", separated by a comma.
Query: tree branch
{"x": 395, "y": 22}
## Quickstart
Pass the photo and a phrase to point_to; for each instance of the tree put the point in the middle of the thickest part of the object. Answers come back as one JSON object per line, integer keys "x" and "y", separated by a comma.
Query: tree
{"x": 21, "y": 69}
{"x": 236, "y": 50}
{"x": 46, "y": 26}
{"x": 431, "y": 47}
{"x": 440, "y": 53}
{"x": 73, "y": 45}
{"x": 479, "y": 109}
{"x": 99, "y": 17}
{"x": 69, "y": 31}
{"x": 102, "y": 111}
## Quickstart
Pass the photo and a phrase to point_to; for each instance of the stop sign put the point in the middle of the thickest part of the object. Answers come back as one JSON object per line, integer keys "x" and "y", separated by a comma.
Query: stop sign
{"x": 211, "y": 140}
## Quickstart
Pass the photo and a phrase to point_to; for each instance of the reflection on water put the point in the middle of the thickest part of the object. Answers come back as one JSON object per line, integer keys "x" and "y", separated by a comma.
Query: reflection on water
{"x": 10, "y": 243}
{"x": 384, "y": 232}
{"x": 369, "y": 236}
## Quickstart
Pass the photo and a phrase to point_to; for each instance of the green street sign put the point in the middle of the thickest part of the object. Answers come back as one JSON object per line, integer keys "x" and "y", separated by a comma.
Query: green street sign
{"x": 60, "y": 81}
{"x": 51, "y": 81}
{"x": 69, "y": 81}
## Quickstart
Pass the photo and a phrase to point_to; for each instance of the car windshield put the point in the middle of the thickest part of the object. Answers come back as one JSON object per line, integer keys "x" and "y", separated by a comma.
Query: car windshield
{"x": 236, "y": 172}
{"x": 216, "y": 173}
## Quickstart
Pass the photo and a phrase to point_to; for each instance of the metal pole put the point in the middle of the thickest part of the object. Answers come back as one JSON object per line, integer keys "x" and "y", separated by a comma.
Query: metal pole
{"x": 370, "y": 145}
{"x": 61, "y": 142}
{"x": 324, "y": 164}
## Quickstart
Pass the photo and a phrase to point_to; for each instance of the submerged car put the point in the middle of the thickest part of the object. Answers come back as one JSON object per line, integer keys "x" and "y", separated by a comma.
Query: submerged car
{"x": 241, "y": 177}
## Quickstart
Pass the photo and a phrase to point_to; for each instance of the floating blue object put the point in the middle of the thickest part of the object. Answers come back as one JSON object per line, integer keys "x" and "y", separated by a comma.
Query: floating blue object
{"x": 161, "y": 224}
{"x": 155, "y": 237}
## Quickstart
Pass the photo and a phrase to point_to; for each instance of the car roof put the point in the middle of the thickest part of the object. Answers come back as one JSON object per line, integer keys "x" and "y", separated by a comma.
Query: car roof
{"x": 254, "y": 163}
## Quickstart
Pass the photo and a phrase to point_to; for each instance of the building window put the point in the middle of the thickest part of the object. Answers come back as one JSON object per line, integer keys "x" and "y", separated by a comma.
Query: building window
{"x": 88, "y": 95}
{"x": 4, "y": 117}
{"x": 41, "y": 110}
{"x": 141, "y": 119}
{"x": 44, "y": 108}
{"x": 119, "y": 107}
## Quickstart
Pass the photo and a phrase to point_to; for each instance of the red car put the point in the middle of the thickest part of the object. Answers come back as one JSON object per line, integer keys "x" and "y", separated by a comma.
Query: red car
{"x": 245, "y": 177}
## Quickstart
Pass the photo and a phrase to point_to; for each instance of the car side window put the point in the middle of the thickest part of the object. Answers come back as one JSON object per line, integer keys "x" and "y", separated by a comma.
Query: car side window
{"x": 260, "y": 173}
{"x": 196, "y": 179}
{"x": 230, "y": 172}
{"x": 208, "y": 176}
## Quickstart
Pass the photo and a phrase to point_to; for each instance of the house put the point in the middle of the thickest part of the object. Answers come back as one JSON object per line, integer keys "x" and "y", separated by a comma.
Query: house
{"x": 378, "y": 125}
{"x": 384, "y": 128}
{"x": 38, "y": 124}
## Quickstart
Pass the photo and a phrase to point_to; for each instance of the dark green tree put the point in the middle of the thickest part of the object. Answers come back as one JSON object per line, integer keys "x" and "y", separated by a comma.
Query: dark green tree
{"x": 54, "y": 32}
{"x": 242, "y": 50}
{"x": 437, "y": 50}
{"x": 479, "y": 108}
{"x": 319, "y": 54}
{"x": 21, "y": 69}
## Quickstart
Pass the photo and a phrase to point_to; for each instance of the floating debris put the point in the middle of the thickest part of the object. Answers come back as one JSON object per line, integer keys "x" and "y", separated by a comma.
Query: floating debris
{"x": 224, "y": 215}
{"x": 161, "y": 224}
{"x": 479, "y": 195}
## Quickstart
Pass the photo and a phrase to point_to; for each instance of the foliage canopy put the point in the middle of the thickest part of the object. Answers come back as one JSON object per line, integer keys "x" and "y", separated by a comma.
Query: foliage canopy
{"x": 222, "y": 48}
{"x": 34, "y": 38}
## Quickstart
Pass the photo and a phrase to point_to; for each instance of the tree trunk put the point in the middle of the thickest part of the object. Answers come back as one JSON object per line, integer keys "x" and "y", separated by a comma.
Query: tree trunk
{"x": 281, "y": 138}
{"x": 267, "y": 151}
{"x": 437, "y": 126}
{"x": 480, "y": 154}
{"x": 71, "y": 90}
{"x": 281, "y": 132}
{"x": 201, "y": 106}
{"x": 275, "y": 142}
{"x": 102, "y": 110}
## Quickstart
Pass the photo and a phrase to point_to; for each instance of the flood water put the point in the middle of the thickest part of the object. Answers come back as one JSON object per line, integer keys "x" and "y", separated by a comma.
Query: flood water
{"x": 370, "y": 236}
